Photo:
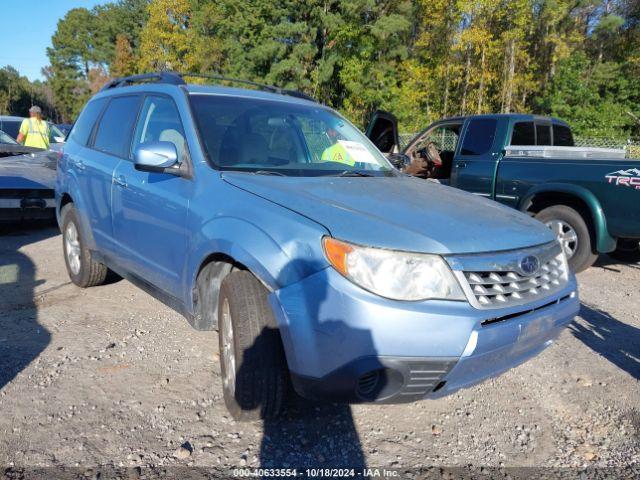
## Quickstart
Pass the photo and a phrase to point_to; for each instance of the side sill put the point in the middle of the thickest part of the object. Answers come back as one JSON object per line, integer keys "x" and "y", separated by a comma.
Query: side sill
{"x": 160, "y": 295}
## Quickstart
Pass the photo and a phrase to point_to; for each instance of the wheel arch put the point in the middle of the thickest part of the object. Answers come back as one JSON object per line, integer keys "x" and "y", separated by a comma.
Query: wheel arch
{"x": 578, "y": 198}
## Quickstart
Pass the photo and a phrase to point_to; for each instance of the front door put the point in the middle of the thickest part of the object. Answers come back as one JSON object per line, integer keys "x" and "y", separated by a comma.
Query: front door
{"x": 476, "y": 158}
{"x": 150, "y": 209}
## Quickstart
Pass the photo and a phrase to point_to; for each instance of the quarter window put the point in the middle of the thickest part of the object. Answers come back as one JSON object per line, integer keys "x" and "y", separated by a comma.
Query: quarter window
{"x": 160, "y": 122}
{"x": 114, "y": 130}
{"x": 479, "y": 136}
{"x": 524, "y": 133}
{"x": 562, "y": 136}
{"x": 84, "y": 125}
{"x": 543, "y": 134}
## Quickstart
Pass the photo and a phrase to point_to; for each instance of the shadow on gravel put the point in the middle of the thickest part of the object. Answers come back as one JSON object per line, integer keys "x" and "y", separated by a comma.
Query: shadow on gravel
{"x": 609, "y": 263}
{"x": 22, "y": 338}
{"x": 312, "y": 436}
{"x": 614, "y": 340}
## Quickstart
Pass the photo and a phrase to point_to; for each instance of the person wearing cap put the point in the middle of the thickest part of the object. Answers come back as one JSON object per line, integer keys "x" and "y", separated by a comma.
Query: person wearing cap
{"x": 336, "y": 152}
{"x": 34, "y": 131}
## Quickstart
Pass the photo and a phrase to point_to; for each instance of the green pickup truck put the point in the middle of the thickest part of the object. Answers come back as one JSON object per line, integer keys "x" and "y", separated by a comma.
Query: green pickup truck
{"x": 589, "y": 196}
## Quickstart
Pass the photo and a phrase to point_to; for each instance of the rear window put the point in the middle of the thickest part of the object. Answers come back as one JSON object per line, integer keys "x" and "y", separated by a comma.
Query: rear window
{"x": 524, "y": 133}
{"x": 11, "y": 127}
{"x": 114, "y": 131}
{"x": 479, "y": 137}
{"x": 562, "y": 136}
{"x": 543, "y": 134}
{"x": 87, "y": 119}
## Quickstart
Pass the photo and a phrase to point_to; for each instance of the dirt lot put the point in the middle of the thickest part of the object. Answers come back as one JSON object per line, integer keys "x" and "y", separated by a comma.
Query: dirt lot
{"x": 109, "y": 376}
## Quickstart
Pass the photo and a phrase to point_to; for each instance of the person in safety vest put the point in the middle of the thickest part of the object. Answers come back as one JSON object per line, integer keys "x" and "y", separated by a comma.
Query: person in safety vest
{"x": 336, "y": 152}
{"x": 34, "y": 131}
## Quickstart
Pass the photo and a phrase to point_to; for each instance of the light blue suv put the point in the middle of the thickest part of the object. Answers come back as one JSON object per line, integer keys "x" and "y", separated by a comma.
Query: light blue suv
{"x": 270, "y": 218}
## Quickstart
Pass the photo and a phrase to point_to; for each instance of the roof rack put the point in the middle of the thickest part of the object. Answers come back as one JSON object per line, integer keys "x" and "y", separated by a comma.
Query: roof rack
{"x": 172, "y": 78}
{"x": 177, "y": 78}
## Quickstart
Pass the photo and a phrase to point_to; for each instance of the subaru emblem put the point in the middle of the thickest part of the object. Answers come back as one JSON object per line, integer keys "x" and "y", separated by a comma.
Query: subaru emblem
{"x": 529, "y": 265}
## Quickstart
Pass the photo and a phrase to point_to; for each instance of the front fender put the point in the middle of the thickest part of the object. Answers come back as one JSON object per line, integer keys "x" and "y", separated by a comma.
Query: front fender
{"x": 604, "y": 241}
{"x": 277, "y": 258}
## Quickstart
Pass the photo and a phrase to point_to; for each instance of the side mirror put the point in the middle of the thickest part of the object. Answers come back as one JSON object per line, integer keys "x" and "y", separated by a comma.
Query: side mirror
{"x": 399, "y": 160}
{"x": 156, "y": 157}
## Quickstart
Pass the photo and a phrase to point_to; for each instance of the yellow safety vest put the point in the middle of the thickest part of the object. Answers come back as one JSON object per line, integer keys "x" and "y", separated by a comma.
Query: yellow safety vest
{"x": 36, "y": 133}
{"x": 337, "y": 153}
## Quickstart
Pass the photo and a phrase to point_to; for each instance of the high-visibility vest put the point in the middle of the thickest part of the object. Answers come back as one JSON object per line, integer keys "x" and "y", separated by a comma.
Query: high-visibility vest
{"x": 337, "y": 153}
{"x": 36, "y": 133}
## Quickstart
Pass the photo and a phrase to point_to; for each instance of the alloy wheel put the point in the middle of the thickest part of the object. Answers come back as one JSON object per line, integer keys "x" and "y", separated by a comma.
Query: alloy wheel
{"x": 566, "y": 235}
{"x": 72, "y": 247}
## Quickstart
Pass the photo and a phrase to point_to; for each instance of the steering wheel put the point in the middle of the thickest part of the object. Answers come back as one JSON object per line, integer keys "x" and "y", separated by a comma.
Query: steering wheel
{"x": 432, "y": 154}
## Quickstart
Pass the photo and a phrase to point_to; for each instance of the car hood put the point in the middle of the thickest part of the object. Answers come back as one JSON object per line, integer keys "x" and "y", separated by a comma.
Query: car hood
{"x": 401, "y": 213}
{"x": 34, "y": 170}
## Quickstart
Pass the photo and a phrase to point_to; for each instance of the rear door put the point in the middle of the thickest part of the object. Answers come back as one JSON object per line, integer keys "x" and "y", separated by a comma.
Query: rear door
{"x": 150, "y": 209}
{"x": 476, "y": 158}
{"x": 95, "y": 165}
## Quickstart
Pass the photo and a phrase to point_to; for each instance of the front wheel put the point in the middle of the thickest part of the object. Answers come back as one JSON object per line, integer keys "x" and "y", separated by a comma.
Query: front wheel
{"x": 572, "y": 232}
{"x": 252, "y": 361}
{"x": 628, "y": 250}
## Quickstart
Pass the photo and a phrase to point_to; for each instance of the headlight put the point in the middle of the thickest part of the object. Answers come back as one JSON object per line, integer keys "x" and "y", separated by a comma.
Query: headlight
{"x": 393, "y": 274}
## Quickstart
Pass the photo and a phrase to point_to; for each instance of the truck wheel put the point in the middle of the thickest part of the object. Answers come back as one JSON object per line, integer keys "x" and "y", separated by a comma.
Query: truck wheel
{"x": 83, "y": 270}
{"x": 572, "y": 232}
{"x": 628, "y": 250}
{"x": 252, "y": 361}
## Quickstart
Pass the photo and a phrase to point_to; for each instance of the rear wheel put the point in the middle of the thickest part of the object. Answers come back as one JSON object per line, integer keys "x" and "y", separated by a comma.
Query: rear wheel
{"x": 628, "y": 250}
{"x": 253, "y": 366}
{"x": 83, "y": 270}
{"x": 573, "y": 234}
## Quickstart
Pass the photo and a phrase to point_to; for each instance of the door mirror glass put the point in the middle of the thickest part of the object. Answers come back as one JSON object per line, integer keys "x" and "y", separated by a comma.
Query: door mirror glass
{"x": 155, "y": 156}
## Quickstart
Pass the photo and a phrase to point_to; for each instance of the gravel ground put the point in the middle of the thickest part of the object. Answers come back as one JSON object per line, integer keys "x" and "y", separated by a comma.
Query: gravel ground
{"x": 110, "y": 377}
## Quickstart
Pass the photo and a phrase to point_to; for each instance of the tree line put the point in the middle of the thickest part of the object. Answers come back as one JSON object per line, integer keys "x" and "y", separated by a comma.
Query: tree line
{"x": 421, "y": 59}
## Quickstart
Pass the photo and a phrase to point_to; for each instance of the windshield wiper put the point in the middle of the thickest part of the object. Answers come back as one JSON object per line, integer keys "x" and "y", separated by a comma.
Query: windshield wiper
{"x": 269, "y": 172}
{"x": 352, "y": 173}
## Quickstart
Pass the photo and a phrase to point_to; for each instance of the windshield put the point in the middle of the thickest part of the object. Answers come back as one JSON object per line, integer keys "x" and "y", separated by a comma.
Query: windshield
{"x": 280, "y": 138}
{"x": 55, "y": 134}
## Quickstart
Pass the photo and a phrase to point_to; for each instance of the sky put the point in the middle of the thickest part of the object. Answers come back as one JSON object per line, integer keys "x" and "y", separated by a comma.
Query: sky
{"x": 26, "y": 27}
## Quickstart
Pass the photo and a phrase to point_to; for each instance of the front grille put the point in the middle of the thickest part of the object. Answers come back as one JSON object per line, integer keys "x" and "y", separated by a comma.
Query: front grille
{"x": 497, "y": 289}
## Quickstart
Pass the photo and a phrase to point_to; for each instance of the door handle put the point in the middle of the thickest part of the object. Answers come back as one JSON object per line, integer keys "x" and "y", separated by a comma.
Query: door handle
{"x": 461, "y": 165}
{"x": 120, "y": 181}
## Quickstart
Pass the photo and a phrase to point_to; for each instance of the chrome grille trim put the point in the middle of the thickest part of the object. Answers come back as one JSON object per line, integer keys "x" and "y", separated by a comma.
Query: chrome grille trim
{"x": 496, "y": 280}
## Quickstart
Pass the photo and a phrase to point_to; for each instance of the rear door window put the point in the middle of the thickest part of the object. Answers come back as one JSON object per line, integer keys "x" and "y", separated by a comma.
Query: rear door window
{"x": 84, "y": 125}
{"x": 524, "y": 133}
{"x": 543, "y": 134}
{"x": 116, "y": 125}
{"x": 479, "y": 136}
{"x": 562, "y": 136}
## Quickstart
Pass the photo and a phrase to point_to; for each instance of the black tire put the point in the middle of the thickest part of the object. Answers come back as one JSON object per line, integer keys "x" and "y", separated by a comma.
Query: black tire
{"x": 88, "y": 272}
{"x": 584, "y": 253}
{"x": 628, "y": 250}
{"x": 260, "y": 384}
